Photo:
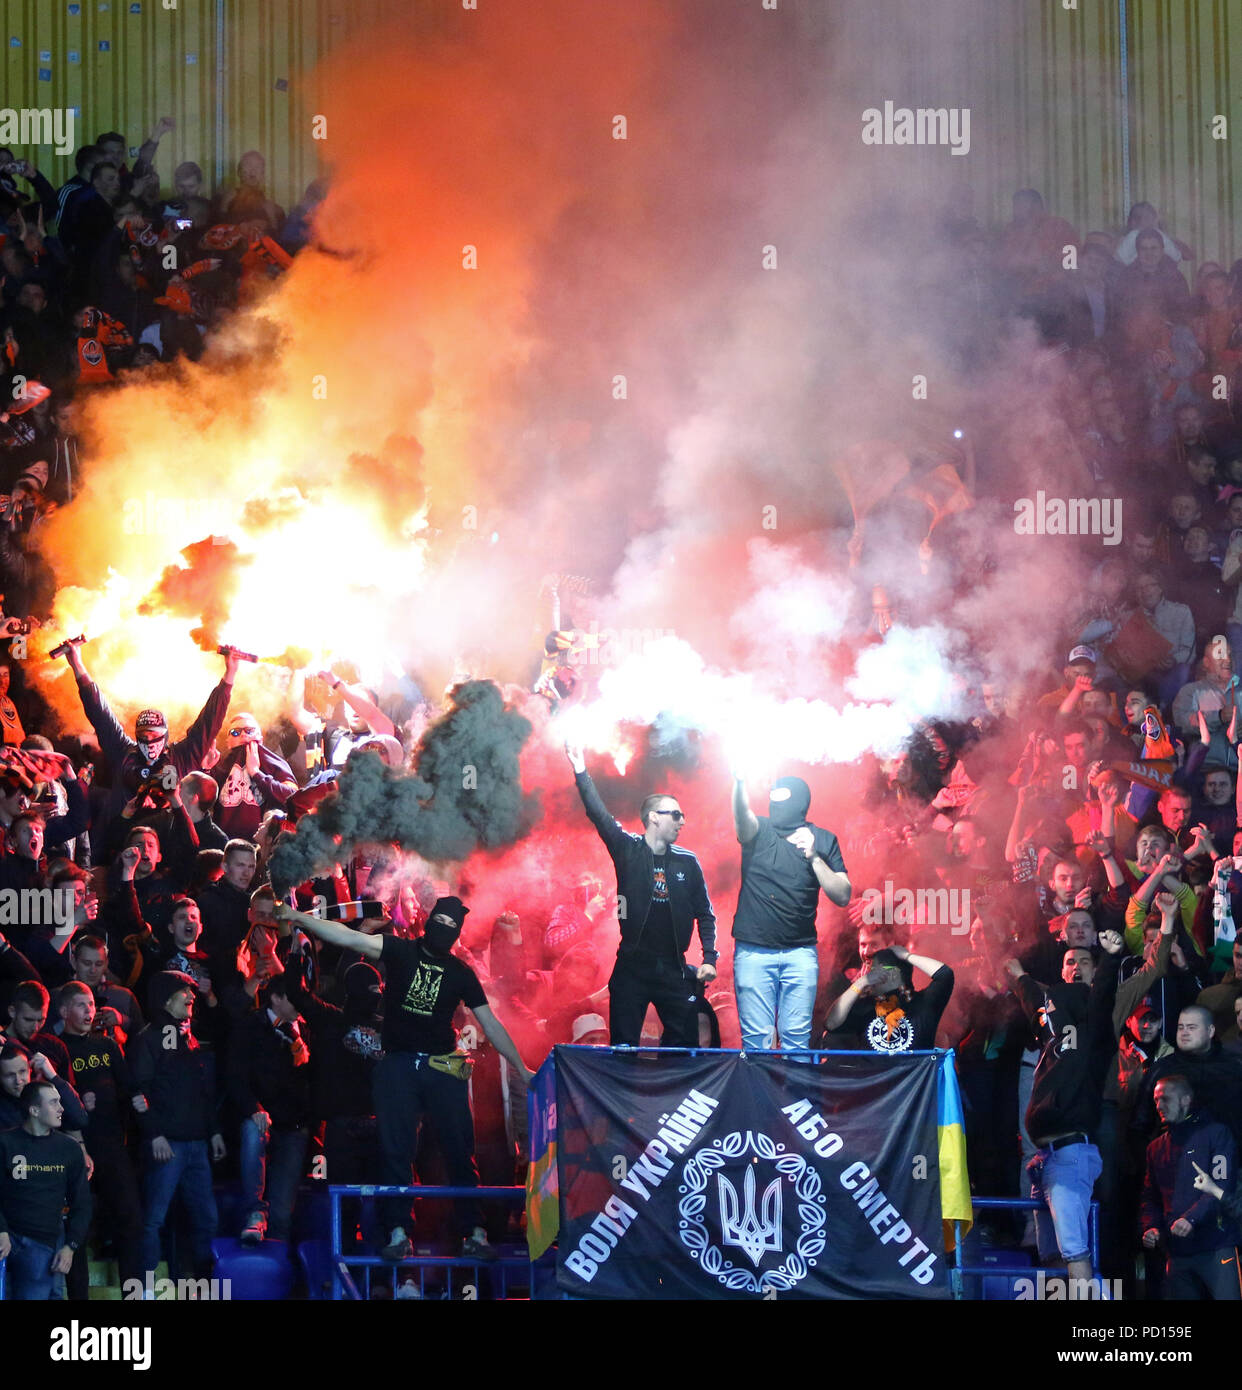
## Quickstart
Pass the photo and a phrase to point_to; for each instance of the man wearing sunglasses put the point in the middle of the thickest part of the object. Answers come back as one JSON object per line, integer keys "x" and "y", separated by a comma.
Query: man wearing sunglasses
{"x": 252, "y": 779}
{"x": 661, "y": 896}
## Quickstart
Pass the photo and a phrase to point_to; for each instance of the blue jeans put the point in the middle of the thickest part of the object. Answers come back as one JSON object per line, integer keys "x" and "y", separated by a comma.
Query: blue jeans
{"x": 1063, "y": 1180}
{"x": 29, "y": 1271}
{"x": 775, "y": 993}
{"x": 187, "y": 1171}
{"x": 275, "y": 1163}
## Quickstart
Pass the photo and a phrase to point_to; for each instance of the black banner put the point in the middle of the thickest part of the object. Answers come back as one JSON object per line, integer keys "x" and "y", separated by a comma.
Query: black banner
{"x": 748, "y": 1176}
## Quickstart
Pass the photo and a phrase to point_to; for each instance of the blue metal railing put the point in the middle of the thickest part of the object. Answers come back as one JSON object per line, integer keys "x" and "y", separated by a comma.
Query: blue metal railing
{"x": 351, "y": 1268}
{"x": 961, "y": 1271}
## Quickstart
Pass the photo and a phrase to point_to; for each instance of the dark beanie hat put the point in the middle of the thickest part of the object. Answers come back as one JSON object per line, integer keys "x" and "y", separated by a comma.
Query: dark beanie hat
{"x": 450, "y": 907}
{"x": 167, "y": 983}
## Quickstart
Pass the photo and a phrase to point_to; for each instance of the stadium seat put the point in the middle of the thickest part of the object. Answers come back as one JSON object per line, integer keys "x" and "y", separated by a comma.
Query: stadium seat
{"x": 254, "y": 1272}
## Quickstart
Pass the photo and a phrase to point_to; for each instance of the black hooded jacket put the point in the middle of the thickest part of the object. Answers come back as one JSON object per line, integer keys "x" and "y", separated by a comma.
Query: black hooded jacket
{"x": 168, "y": 1067}
{"x": 344, "y": 1044}
{"x": 1074, "y": 1027}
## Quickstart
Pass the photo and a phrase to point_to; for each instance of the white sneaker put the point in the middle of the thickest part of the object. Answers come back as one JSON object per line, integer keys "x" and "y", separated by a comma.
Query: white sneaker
{"x": 399, "y": 1246}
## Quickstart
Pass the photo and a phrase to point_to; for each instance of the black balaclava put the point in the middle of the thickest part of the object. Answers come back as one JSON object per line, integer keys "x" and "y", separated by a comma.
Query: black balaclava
{"x": 439, "y": 938}
{"x": 363, "y": 991}
{"x": 788, "y": 802}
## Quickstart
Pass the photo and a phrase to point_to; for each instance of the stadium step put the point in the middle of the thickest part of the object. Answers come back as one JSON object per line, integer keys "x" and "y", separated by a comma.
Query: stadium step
{"x": 105, "y": 1282}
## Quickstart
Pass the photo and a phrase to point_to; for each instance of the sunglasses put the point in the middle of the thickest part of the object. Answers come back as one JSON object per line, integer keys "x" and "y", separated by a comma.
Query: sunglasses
{"x": 236, "y": 733}
{"x": 676, "y": 815}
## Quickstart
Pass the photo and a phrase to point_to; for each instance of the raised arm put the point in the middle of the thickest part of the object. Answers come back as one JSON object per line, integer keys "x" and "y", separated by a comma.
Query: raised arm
{"x": 112, "y": 738}
{"x": 745, "y": 822}
{"x": 355, "y": 697}
{"x": 605, "y": 825}
{"x": 146, "y": 155}
{"x": 1102, "y": 844}
{"x": 1016, "y": 826}
{"x": 295, "y": 707}
{"x": 924, "y": 963}
{"x": 845, "y": 1001}
{"x": 206, "y": 728}
{"x": 333, "y": 932}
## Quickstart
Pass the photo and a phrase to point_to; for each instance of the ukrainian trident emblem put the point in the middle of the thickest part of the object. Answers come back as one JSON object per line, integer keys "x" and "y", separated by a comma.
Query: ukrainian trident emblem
{"x": 753, "y": 1219}
{"x": 752, "y": 1233}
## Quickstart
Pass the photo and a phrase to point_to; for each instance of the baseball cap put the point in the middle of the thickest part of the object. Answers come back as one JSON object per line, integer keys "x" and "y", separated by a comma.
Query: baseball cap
{"x": 587, "y": 1023}
{"x": 1084, "y": 654}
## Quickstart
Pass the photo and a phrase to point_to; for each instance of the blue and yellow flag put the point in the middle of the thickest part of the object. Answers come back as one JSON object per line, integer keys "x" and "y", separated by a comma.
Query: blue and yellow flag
{"x": 955, "y": 1202}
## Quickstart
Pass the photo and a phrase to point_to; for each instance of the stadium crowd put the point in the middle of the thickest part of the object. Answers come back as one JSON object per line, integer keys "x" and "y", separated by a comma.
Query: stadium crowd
{"x": 187, "y": 1033}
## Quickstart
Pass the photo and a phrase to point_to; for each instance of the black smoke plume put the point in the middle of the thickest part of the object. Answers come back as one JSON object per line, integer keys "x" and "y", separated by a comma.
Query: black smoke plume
{"x": 464, "y": 795}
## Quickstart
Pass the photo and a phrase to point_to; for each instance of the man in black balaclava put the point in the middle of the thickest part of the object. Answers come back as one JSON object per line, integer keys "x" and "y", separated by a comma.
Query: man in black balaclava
{"x": 786, "y": 860}
{"x": 421, "y": 1071}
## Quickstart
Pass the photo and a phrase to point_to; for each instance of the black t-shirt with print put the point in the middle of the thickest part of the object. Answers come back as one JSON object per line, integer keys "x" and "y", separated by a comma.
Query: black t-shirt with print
{"x": 99, "y": 1067}
{"x": 421, "y": 995}
{"x": 657, "y": 941}
{"x": 879, "y": 1030}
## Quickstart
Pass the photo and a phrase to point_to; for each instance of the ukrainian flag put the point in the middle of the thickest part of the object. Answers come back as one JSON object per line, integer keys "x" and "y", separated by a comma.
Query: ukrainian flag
{"x": 951, "y": 1128}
